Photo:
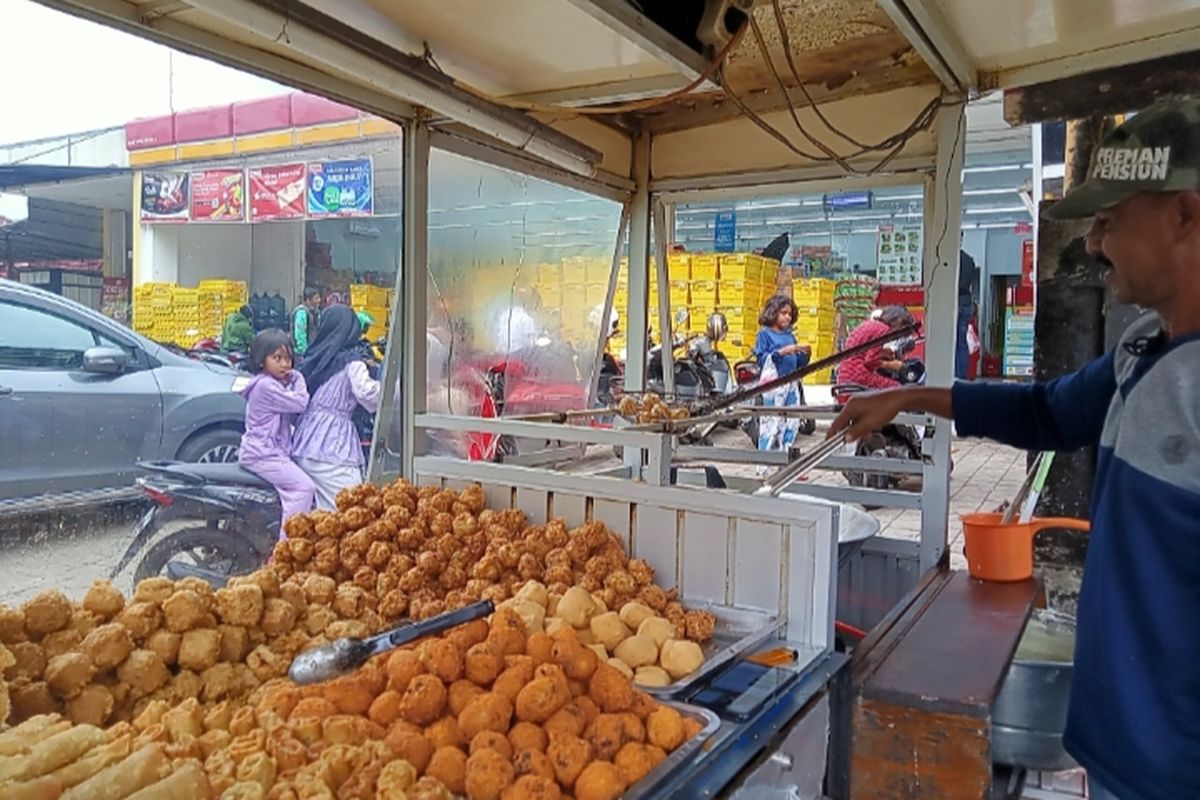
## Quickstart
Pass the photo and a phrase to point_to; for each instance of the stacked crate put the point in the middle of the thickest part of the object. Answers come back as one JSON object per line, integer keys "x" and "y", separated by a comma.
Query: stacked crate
{"x": 815, "y": 322}
{"x": 216, "y": 300}
{"x": 574, "y": 305}
{"x": 746, "y": 282}
{"x": 152, "y": 310}
{"x": 185, "y": 314}
{"x": 376, "y": 301}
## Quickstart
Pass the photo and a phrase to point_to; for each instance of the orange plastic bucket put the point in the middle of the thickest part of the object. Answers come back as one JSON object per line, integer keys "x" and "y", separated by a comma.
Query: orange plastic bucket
{"x": 998, "y": 552}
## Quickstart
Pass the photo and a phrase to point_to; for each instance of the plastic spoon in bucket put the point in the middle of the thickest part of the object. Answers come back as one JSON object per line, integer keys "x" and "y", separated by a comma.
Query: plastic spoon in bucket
{"x": 1039, "y": 483}
{"x": 1010, "y": 510}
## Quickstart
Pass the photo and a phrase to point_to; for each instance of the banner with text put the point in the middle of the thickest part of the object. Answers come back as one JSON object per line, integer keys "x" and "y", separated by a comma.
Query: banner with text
{"x": 341, "y": 188}
{"x": 277, "y": 192}
{"x": 219, "y": 195}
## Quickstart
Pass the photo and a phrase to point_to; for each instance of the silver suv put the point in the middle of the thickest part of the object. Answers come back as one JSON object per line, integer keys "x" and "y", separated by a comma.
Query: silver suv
{"x": 83, "y": 399}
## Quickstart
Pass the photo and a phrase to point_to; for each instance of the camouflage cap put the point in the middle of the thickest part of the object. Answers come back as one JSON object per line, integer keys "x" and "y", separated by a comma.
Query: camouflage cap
{"x": 1157, "y": 150}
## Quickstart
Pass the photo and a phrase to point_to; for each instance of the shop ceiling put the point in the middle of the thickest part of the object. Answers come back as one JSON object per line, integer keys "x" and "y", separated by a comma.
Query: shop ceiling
{"x": 532, "y": 74}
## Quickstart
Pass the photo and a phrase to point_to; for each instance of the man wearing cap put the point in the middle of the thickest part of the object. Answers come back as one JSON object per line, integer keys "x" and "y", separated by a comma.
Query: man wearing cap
{"x": 1134, "y": 719}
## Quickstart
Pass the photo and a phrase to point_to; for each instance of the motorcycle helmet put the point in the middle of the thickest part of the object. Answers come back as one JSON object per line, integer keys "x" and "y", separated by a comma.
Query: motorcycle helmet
{"x": 596, "y": 316}
{"x": 717, "y": 327}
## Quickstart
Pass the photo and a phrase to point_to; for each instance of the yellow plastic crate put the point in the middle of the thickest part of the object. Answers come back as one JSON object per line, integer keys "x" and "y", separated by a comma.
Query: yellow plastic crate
{"x": 551, "y": 295}
{"x": 598, "y": 270}
{"x": 679, "y": 293}
{"x": 704, "y": 293}
{"x": 740, "y": 292}
{"x": 697, "y": 321}
{"x": 705, "y": 266}
{"x": 595, "y": 293}
{"x": 741, "y": 267}
{"x": 679, "y": 266}
{"x": 549, "y": 274}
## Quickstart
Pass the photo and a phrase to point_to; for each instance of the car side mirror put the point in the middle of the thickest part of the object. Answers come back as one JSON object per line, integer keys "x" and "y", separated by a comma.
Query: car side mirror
{"x": 105, "y": 360}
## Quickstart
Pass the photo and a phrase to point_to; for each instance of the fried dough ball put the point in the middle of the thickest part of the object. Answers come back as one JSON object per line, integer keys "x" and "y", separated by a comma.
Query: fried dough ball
{"x": 570, "y": 719}
{"x": 491, "y": 740}
{"x": 484, "y": 663}
{"x": 634, "y": 761}
{"x": 488, "y": 774}
{"x": 92, "y": 706}
{"x": 676, "y": 615}
{"x": 241, "y": 604}
{"x": 103, "y": 599}
{"x": 459, "y": 694}
{"x": 608, "y": 629}
{"x": 540, "y": 647}
{"x": 402, "y": 667}
{"x": 47, "y": 612}
{"x": 66, "y": 675}
{"x": 107, "y": 646}
{"x": 654, "y": 597}
{"x": 600, "y": 780}
{"x": 445, "y": 733}
{"x": 442, "y": 658}
{"x": 606, "y": 734}
{"x": 31, "y": 700}
{"x": 424, "y": 700}
{"x": 651, "y": 675}
{"x": 510, "y": 682}
{"x": 610, "y": 690}
{"x": 508, "y": 631}
{"x": 637, "y": 651}
{"x": 577, "y": 661}
{"x": 184, "y": 610}
{"x": 680, "y": 657}
{"x": 141, "y": 618}
{"x": 385, "y": 709}
{"x": 642, "y": 572}
{"x": 543, "y": 696}
{"x": 658, "y": 629}
{"x": 699, "y": 625}
{"x": 533, "y": 787}
{"x": 664, "y": 728}
{"x": 428, "y": 788}
{"x": 528, "y": 736}
{"x": 353, "y": 694}
{"x": 569, "y": 755}
{"x": 153, "y": 590}
{"x": 319, "y": 589}
{"x": 199, "y": 649}
{"x": 410, "y": 744}
{"x": 486, "y": 712}
{"x": 577, "y": 607}
{"x": 395, "y": 779}
{"x": 534, "y": 762}
{"x": 449, "y": 765}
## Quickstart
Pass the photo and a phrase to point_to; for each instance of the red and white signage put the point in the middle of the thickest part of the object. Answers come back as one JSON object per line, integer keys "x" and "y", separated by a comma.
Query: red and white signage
{"x": 277, "y": 192}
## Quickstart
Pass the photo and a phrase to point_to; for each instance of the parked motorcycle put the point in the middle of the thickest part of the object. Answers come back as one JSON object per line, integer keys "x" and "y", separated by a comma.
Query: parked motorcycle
{"x": 895, "y": 440}
{"x": 232, "y": 521}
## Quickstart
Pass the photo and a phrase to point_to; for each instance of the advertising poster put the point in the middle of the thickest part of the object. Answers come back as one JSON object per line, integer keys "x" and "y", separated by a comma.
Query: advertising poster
{"x": 219, "y": 195}
{"x": 341, "y": 188}
{"x": 898, "y": 255}
{"x": 277, "y": 192}
{"x": 1027, "y": 263}
{"x": 164, "y": 197}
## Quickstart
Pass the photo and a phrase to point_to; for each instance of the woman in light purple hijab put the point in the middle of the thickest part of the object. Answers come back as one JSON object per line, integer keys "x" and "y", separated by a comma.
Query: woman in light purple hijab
{"x": 326, "y": 444}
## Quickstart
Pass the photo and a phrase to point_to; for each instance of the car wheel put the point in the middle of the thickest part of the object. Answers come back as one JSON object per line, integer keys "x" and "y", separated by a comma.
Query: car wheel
{"x": 213, "y": 447}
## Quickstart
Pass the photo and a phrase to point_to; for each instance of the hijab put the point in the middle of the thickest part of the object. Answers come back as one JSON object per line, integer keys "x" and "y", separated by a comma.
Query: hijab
{"x": 338, "y": 342}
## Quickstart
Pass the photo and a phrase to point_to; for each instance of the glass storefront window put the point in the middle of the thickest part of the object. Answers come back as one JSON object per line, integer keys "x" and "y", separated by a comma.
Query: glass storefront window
{"x": 518, "y": 273}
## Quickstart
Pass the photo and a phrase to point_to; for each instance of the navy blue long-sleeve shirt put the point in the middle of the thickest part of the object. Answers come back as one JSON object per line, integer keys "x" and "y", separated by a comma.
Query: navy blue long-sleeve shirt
{"x": 1134, "y": 719}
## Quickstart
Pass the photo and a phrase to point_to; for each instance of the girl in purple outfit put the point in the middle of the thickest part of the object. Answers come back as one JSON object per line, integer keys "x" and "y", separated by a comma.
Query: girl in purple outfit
{"x": 274, "y": 396}
{"x": 327, "y": 444}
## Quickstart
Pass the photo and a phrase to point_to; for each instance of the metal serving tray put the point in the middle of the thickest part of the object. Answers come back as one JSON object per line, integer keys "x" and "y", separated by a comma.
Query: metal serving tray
{"x": 654, "y": 781}
{"x": 737, "y": 631}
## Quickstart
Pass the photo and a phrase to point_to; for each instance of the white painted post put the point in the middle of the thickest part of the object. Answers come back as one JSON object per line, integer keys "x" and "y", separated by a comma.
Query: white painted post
{"x": 942, "y": 224}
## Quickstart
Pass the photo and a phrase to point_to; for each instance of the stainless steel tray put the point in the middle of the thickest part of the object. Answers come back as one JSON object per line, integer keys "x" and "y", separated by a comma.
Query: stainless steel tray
{"x": 686, "y": 752}
{"x": 737, "y": 631}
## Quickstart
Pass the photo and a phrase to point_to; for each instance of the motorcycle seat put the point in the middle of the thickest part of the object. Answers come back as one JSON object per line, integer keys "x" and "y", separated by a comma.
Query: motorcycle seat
{"x": 207, "y": 473}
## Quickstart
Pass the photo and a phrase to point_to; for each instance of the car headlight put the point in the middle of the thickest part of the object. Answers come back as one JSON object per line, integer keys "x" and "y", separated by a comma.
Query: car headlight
{"x": 240, "y": 383}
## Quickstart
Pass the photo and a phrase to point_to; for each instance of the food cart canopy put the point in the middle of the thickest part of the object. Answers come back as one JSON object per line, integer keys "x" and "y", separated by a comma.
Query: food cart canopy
{"x": 873, "y": 64}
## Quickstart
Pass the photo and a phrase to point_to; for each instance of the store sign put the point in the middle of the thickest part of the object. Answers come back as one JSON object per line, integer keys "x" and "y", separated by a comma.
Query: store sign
{"x": 165, "y": 196}
{"x": 219, "y": 195}
{"x": 898, "y": 255}
{"x": 341, "y": 188}
{"x": 847, "y": 200}
{"x": 725, "y": 232}
{"x": 278, "y": 192}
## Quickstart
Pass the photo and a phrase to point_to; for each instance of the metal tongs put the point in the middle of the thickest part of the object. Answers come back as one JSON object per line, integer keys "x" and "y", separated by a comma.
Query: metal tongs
{"x": 784, "y": 477}
{"x": 343, "y": 656}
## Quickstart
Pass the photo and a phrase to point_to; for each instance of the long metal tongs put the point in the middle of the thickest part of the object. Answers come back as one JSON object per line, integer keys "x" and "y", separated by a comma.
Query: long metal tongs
{"x": 788, "y": 474}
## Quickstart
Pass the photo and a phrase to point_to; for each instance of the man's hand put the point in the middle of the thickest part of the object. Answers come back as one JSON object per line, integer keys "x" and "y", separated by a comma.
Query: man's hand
{"x": 866, "y": 413}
